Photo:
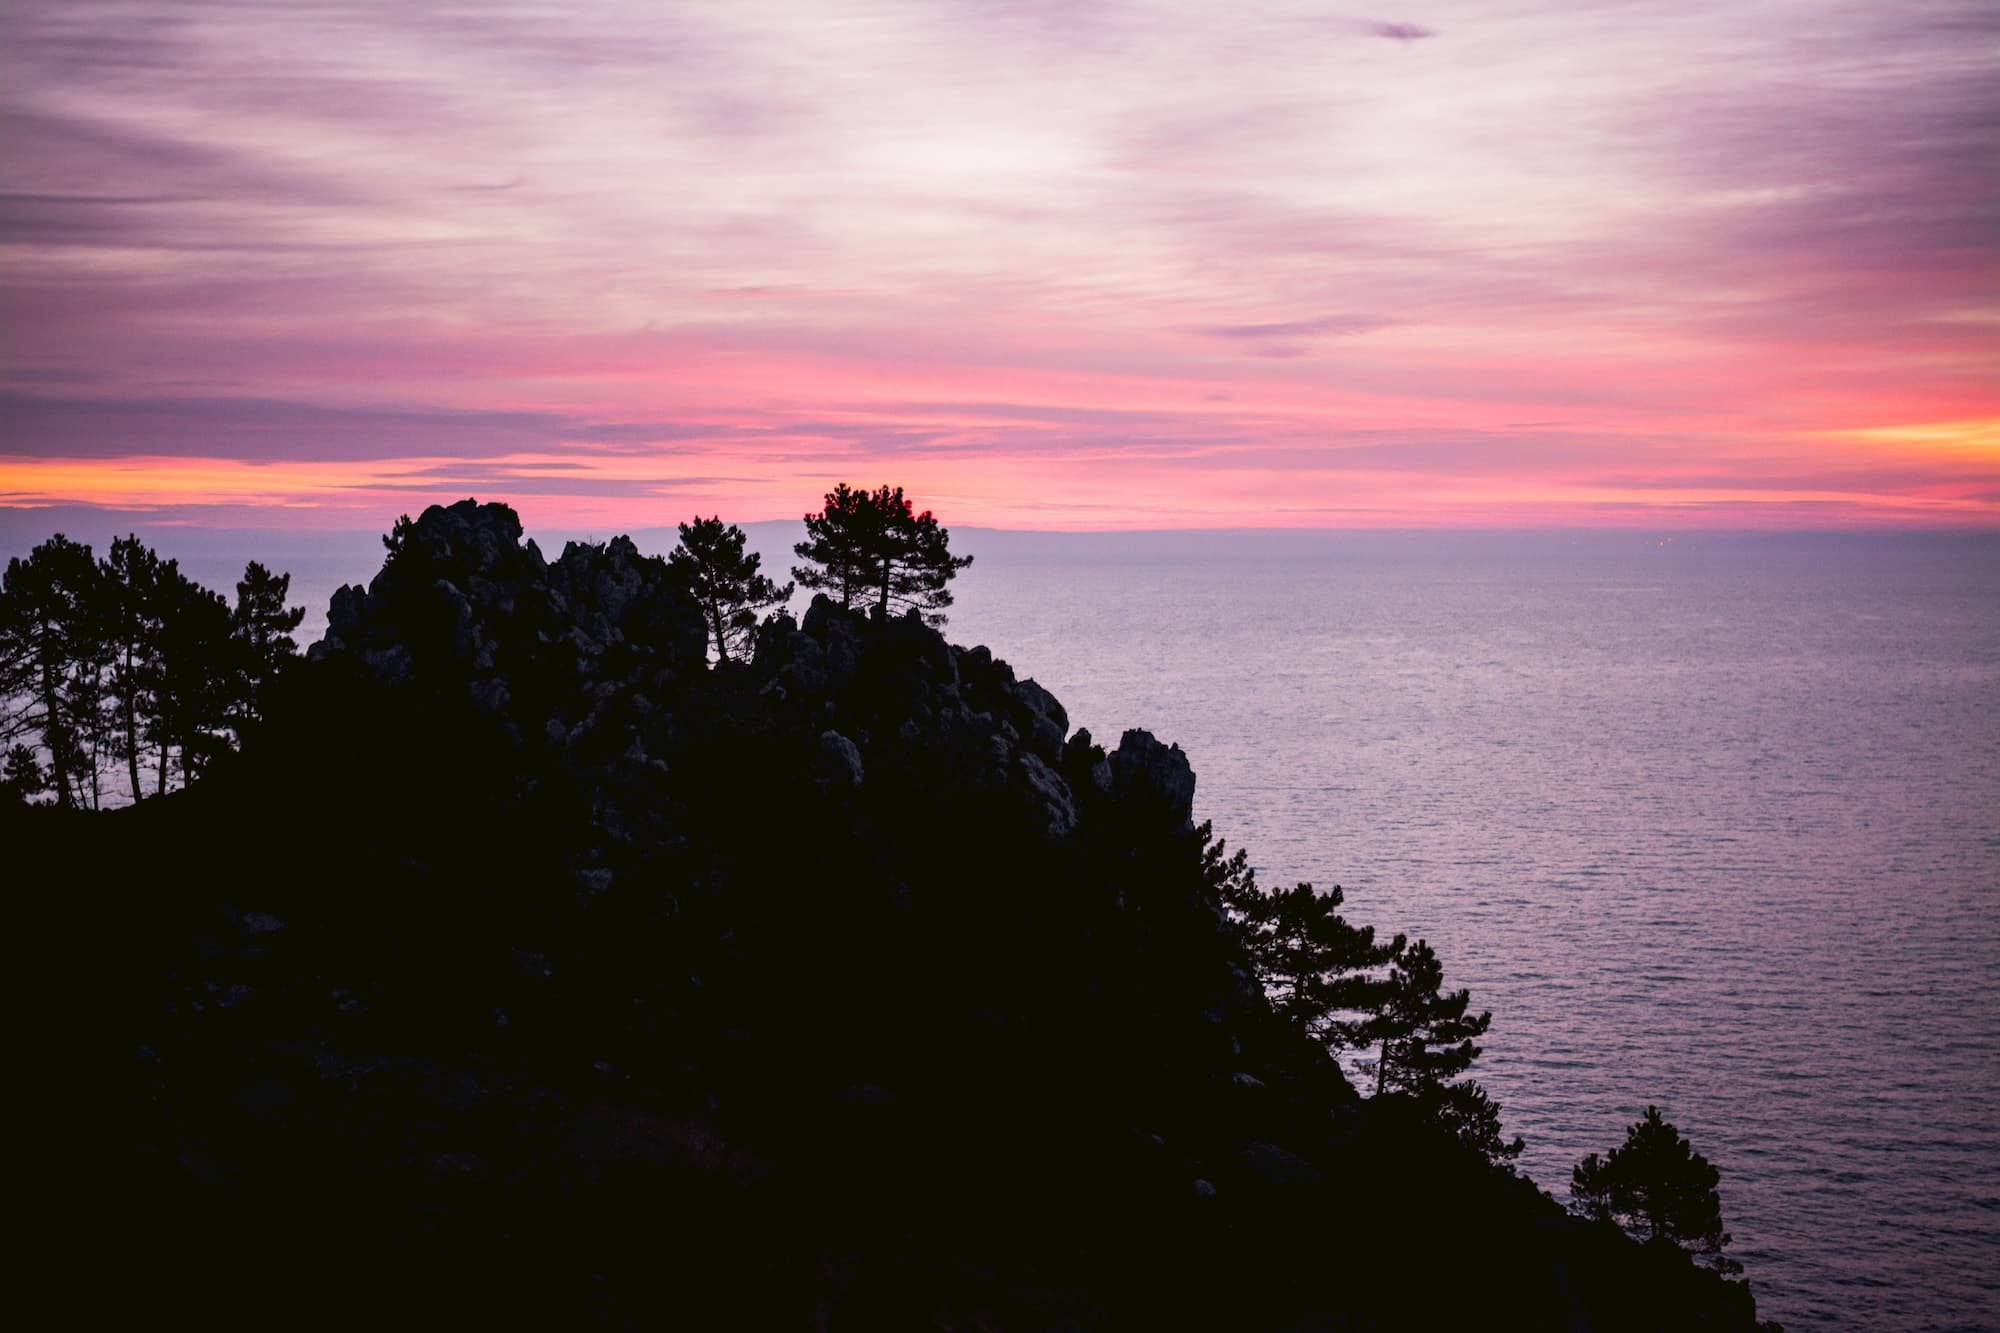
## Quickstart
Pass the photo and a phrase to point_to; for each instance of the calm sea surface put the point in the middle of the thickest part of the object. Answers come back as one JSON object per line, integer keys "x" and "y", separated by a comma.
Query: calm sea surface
{"x": 1711, "y": 823}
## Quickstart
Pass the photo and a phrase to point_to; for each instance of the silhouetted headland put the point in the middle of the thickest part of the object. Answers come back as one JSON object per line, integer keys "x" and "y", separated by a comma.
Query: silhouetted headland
{"x": 528, "y": 967}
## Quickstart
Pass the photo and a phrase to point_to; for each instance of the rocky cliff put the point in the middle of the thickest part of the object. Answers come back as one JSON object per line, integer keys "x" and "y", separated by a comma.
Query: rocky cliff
{"x": 527, "y": 968}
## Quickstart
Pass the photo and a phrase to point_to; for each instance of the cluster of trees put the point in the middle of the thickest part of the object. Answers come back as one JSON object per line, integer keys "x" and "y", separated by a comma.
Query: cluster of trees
{"x": 870, "y": 547}
{"x": 125, "y": 664}
{"x": 1340, "y": 985}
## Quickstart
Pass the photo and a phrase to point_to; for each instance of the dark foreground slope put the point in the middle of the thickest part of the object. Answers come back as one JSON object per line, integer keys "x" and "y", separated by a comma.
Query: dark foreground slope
{"x": 528, "y": 970}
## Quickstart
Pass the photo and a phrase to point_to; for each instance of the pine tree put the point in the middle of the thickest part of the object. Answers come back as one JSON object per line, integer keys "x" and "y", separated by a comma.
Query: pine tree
{"x": 874, "y": 544}
{"x": 1427, "y": 1039}
{"x": 836, "y": 545}
{"x": 49, "y": 648}
{"x": 1473, "y": 1117}
{"x": 261, "y": 627}
{"x": 1313, "y": 963}
{"x": 21, "y": 775}
{"x": 130, "y": 578}
{"x": 91, "y": 705}
{"x": 193, "y": 686}
{"x": 1658, "y": 1189}
{"x": 726, "y": 582}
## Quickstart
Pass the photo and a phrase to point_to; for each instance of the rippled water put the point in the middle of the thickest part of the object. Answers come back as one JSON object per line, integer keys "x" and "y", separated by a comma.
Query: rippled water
{"x": 1713, "y": 824}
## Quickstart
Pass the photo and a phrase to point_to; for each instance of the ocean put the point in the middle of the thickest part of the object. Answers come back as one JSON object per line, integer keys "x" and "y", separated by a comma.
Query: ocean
{"x": 1709, "y": 821}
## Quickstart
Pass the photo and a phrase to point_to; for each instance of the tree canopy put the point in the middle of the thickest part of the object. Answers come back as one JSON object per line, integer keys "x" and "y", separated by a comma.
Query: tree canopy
{"x": 873, "y": 545}
{"x": 726, "y": 581}
{"x": 1658, "y": 1189}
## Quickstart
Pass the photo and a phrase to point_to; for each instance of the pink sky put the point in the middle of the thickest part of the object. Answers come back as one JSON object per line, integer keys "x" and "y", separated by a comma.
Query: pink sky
{"x": 1052, "y": 264}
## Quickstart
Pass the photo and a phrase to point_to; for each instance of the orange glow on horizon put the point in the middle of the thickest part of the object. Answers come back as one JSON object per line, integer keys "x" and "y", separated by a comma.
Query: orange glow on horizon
{"x": 1054, "y": 489}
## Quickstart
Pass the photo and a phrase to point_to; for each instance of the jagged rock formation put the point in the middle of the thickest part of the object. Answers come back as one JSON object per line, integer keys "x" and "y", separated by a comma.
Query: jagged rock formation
{"x": 528, "y": 969}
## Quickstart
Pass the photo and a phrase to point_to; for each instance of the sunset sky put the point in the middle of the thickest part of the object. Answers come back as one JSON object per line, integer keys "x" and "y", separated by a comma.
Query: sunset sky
{"x": 1050, "y": 264}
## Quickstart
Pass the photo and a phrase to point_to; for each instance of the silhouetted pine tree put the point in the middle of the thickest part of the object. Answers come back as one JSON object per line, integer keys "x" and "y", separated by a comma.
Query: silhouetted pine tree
{"x": 874, "y": 543}
{"x": 1313, "y": 963}
{"x": 1428, "y": 1038}
{"x": 21, "y": 775}
{"x": 130, "y": 579}
{"x": 90, "y": 700}
{"x": 193, "y": 688}
{"x": 836, "y": 545}
{"x": 726, "y": 581}
{"x": 1473, "y": 1116}
{"x": 261, "y": 627}
{"x": 1658, "y": 1189}
{"x": 48, "y": 645}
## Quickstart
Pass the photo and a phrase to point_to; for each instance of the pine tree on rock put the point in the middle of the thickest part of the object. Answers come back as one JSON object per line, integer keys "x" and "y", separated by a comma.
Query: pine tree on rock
{"x": 836, "y": 545}
{"x": 873, "y": 545}
{"x": 726, "y": 582}
{"x": 1658, "y": 1189}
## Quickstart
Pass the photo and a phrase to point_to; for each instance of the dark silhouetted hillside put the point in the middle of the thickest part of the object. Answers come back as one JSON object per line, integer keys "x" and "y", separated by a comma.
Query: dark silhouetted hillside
{"x": 530, "y": 970}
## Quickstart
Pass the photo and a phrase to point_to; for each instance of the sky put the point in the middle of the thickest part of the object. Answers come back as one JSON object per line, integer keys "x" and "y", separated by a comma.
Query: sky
{"x": 1052, "y": 264}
